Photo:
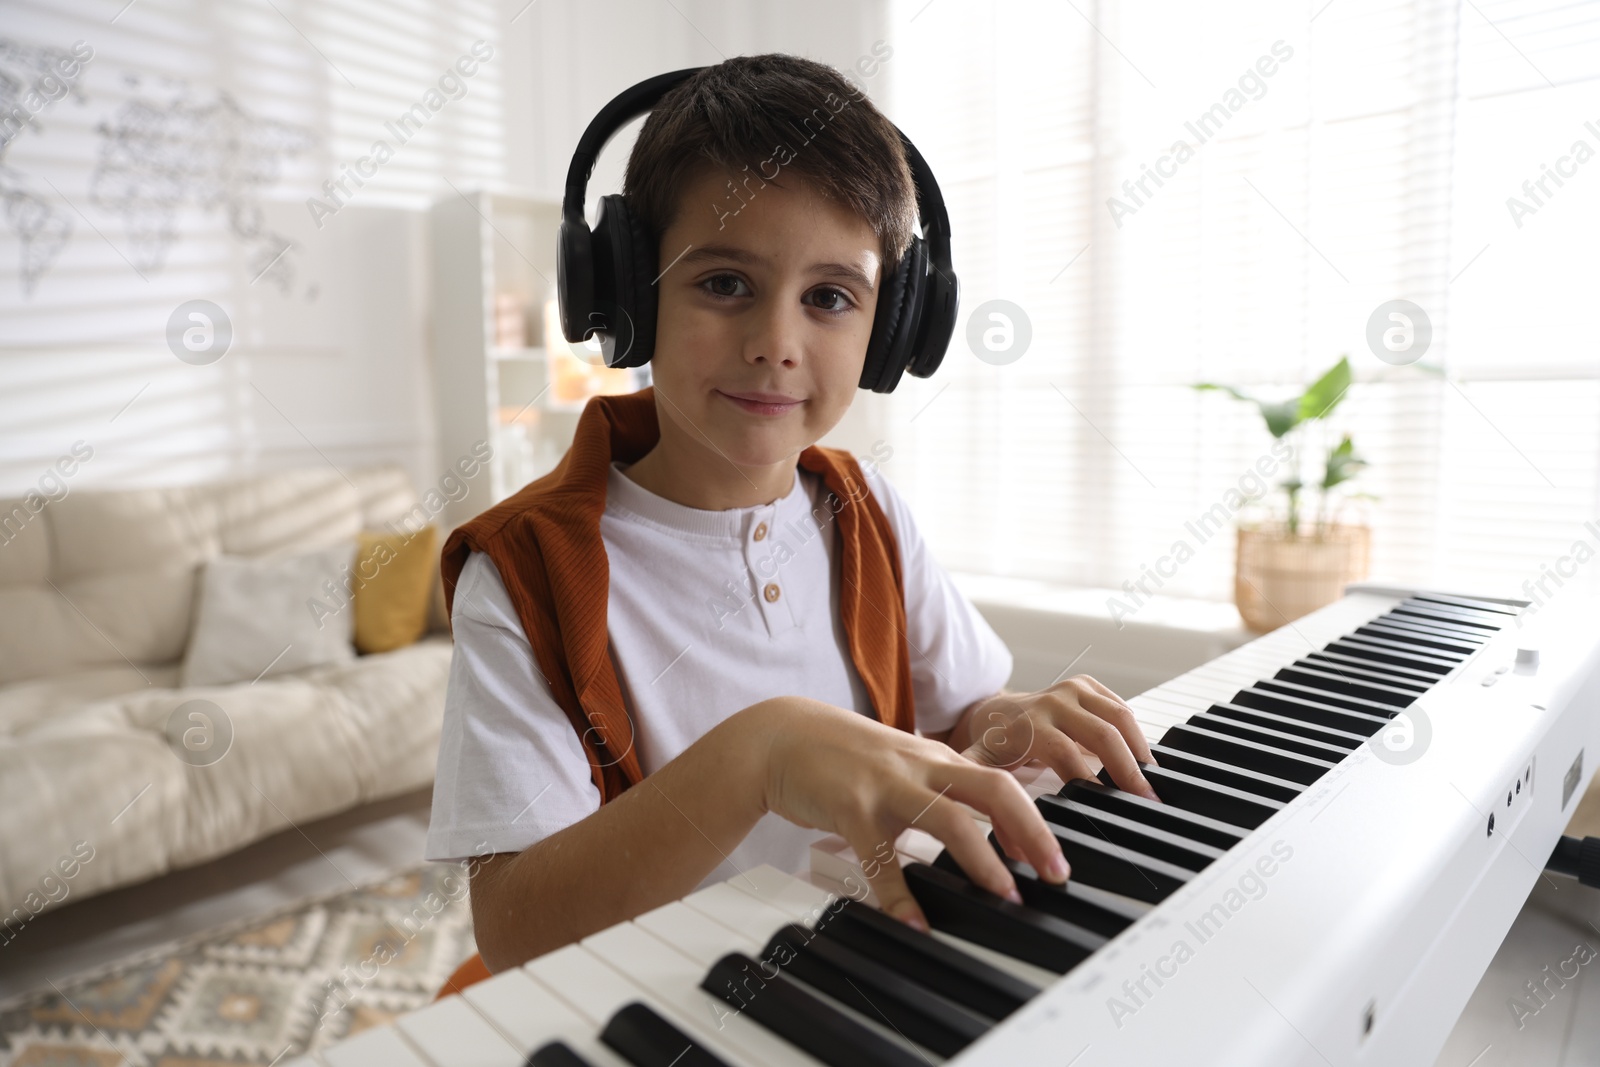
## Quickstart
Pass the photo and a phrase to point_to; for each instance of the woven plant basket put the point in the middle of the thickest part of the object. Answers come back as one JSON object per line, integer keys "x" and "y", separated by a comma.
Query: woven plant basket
{"x": 1278, "y": 578}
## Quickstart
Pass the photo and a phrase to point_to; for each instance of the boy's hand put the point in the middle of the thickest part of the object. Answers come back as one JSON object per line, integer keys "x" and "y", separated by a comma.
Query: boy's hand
{"x": 836, "y": 770}
{"x": 1010, "y": 729}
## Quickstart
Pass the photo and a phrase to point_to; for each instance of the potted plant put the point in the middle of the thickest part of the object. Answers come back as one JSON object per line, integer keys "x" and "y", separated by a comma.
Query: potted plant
{"x": 1288, "y": 564}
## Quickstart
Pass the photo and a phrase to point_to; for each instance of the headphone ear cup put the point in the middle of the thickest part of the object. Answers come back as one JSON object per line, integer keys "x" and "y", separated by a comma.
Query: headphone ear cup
{"x": 574, "y": 278}
{"x": 938, "y": 323}
{"x": 631, "y": 316}
{"x": 895, "y": 323}
{"x": 642, "y": 267}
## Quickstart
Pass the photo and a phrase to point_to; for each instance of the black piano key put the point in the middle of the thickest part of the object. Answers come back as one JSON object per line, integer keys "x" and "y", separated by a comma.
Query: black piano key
{"x": 945, "y": 969}
{"x": 1208, "y": 798}
{"x": 1118, "y": 868}
{"x": 1494, "y": 617}
{"x": 1290, "y": 725}
{"x": 879, "y": 993}
{"x": 956, "y": 906}
{"x": 1438, "y": 614}
{"x": 1246, "y": 754}
{"x": 1423, "y": 680}
{"x": 1277, "y": 738}
{"x": 1322, "y": 696}
{"x": 1450, "y": 631}
{"x": 1347, "y": 666}
{"x": 1095, "y": 909}
{"x": 1346, "y": 684}
{"x": 1365, "y": 671}
{"x": 1173, "y": 819}
{"x": 1414, "y": 654}
{"x": 645, "y": 1039}
{"x": 1449, "y": 627}
{"x": 1409, "y": 637}
{"x": 1129, "y": 833}
{"x": 554, "y": 1054}
{"x": 1316, "y": 712}
{"x": 1374, "y": 648}
{"x": 1490, "y": 607}
{"x": 802, "y": 1017}
{"x": 1224, "y": 773}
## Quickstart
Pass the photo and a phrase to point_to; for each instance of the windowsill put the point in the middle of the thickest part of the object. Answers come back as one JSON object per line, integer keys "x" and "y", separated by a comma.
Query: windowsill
{"x": 1167, "y": 612}
{"x": 1052, "y": 629}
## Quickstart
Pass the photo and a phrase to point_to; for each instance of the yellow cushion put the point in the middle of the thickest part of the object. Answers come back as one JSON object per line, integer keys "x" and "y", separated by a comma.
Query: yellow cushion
{"x": 393, "y": 583}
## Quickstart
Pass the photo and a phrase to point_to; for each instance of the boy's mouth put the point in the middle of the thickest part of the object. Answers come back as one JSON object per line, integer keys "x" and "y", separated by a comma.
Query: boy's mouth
{"x": 762, "y": 403}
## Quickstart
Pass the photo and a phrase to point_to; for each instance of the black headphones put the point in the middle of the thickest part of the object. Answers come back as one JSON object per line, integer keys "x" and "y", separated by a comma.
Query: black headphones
{"x": 606, "y": 279}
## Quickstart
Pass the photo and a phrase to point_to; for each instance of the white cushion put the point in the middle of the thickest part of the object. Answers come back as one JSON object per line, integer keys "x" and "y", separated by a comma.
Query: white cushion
{"x": 108, "y": 578}
{"x": 255, "y": 617}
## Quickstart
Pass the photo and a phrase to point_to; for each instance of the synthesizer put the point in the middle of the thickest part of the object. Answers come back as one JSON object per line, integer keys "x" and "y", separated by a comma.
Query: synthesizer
{"x": 1353, "y": 810}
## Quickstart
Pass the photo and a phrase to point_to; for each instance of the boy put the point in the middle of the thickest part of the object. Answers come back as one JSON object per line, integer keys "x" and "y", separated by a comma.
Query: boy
{"x": 760, "y": 609}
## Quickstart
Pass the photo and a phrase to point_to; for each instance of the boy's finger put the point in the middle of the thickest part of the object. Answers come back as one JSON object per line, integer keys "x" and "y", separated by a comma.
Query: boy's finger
{"x": 1007, "y": 845}
{"x": 1106, "y": 704}
{"x": 1012, "y": 813}
{"x": 966, "y": 841}
{"x": 1065, "y": 756}
{"x": 1107, "y": 742}
{"x": 894, "y": 896}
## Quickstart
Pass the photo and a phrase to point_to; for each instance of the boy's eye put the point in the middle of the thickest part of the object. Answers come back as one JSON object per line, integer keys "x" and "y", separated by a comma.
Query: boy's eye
{"x": 718, "y": 285}
{"x": 832, "y": 299}
{"x": 730, "y": 286}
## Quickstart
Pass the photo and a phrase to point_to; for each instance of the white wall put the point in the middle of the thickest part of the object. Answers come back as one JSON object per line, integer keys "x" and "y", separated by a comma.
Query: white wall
{"x": 581, "y": 55}
{"x": 331, "y": 366}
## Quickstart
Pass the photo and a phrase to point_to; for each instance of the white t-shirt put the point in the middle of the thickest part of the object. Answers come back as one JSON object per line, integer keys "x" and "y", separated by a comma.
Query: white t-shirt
{"x": 709, "y": 613}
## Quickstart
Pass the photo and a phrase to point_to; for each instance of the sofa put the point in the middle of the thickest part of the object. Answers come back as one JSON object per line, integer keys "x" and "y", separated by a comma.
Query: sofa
{"x": 98, "y": 595}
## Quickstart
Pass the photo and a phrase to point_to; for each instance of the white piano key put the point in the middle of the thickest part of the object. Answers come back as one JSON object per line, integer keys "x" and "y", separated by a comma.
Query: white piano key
{"x": 800, "y": 899}
{"x": 922, "y": 847}
{"x": 529, "y": 1016}
{"x": 1019, "y": 968}
{"x": 1048, "y": 781}
{"x": 669, "y": 982}
{"x": 452, "y": 1034}
{"x": 308, "y": 1060}
{"x": 1155, "y": 715}
{"x": 742, "y": 913}
{"x": 578, "y": 977}
{"x": 381, "y": 1046}
{"x": 1225, "y": 675}
{"x": 1168, "y": 702}
{"x": 695, "y": 934}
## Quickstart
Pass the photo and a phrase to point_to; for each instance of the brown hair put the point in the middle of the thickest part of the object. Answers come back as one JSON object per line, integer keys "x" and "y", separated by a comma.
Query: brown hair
{"x": 756, "y": 117}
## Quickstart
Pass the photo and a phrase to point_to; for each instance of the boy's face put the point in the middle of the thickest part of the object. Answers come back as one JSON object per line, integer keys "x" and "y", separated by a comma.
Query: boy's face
{"x": 778, "y": 300}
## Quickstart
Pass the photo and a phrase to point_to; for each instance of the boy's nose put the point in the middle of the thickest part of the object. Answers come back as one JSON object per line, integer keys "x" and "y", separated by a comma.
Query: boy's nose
{"x": 775, "y": 334}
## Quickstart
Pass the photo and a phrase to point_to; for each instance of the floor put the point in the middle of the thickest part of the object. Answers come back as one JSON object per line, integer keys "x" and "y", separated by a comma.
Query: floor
{"x": 1506, "y": 1025}
{"x": 346, "y": 850}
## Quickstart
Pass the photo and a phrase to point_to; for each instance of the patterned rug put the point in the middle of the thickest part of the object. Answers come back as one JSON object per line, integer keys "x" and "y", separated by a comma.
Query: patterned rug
{"x": 255, "y": 992}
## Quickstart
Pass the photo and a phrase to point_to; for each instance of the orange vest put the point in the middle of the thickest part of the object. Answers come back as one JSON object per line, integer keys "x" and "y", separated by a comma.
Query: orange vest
{"x": 545, "y": 542}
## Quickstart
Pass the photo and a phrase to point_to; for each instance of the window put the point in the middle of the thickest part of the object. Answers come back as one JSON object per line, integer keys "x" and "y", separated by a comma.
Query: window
{"x": 1337, "y": 157}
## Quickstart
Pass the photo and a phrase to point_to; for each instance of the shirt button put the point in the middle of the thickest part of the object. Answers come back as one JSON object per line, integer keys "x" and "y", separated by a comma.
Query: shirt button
{"x": 770, "y": 592}
{"x": 761, "y": 532}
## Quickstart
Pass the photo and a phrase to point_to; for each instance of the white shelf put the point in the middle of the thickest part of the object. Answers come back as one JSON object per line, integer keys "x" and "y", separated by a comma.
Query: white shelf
{"x": 530, "y": 355}
{"x": 488, "y": 246}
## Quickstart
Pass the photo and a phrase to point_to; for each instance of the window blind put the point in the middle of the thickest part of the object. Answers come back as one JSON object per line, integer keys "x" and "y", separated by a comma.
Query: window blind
{"x": 1339, "y": 156}
{"x": 180, "y": 166}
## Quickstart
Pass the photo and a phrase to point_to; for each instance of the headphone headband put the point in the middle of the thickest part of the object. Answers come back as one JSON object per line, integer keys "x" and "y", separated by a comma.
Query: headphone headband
{"x": 602, "y": 274}
{"x": 626, "y": 105}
